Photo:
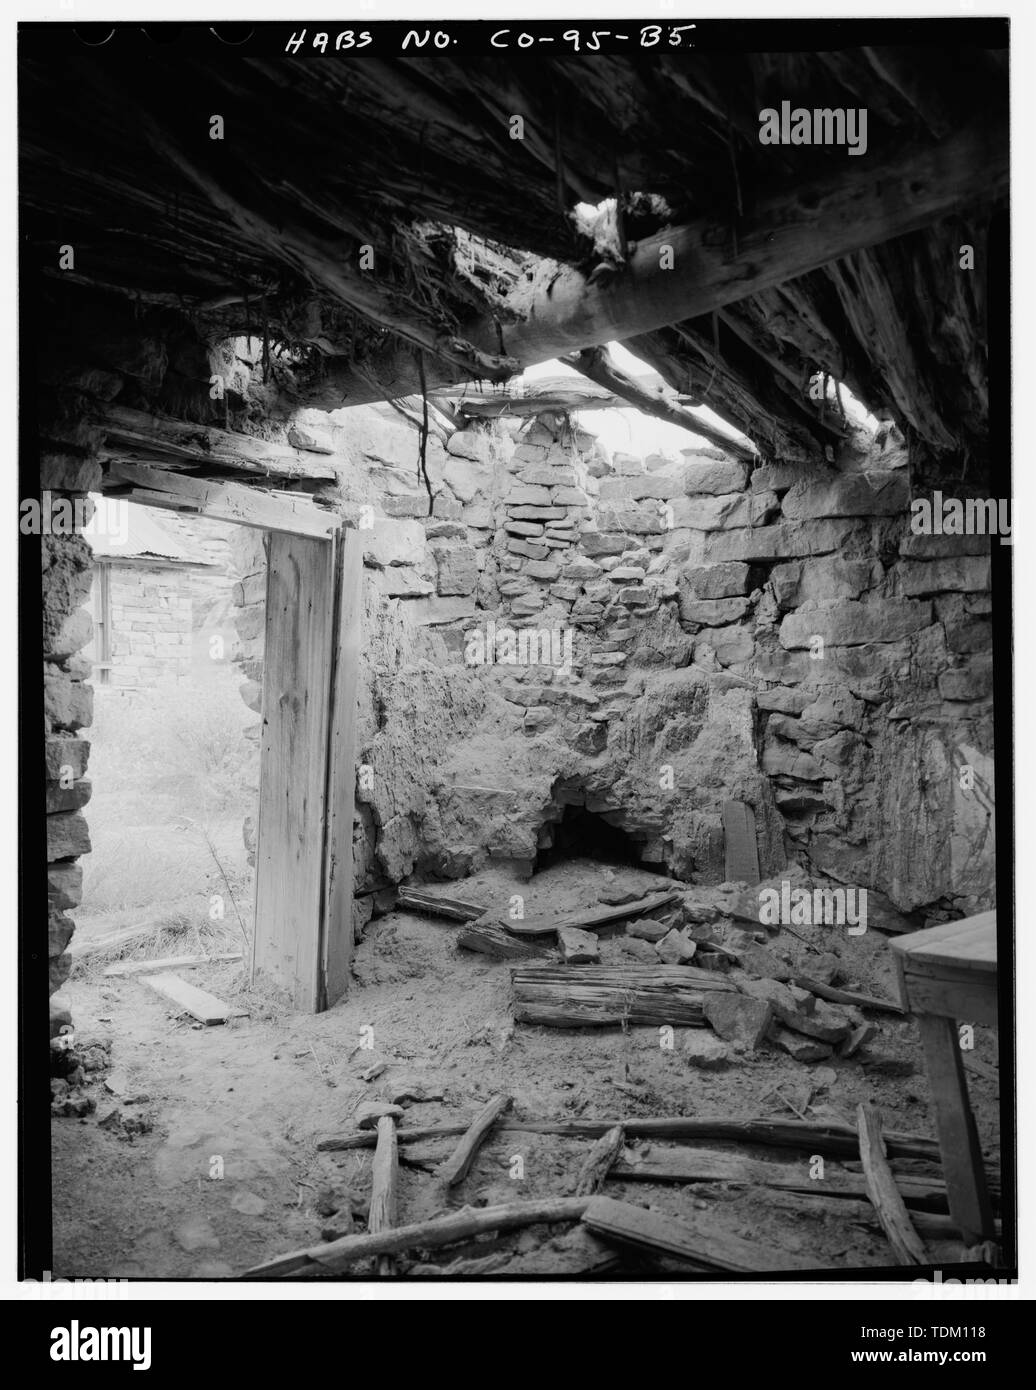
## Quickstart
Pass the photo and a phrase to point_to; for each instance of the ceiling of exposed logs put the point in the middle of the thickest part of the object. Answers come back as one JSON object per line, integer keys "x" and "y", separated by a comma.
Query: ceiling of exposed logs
{"x": 789, "y": 259}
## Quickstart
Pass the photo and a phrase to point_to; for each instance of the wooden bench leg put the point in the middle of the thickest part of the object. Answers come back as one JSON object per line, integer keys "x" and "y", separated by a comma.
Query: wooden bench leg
{"x": 962, "y": 1163}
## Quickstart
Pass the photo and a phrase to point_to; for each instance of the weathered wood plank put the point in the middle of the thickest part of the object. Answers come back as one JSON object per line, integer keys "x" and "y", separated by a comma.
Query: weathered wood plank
{"x": 884, "y": 1194}
{"x": 205, "y": 1007}
{"x": 846, "y": 996}
{"x": 458, "y": 1165}
{"x": 598, "y": 1163}
{"x": 690, "y": 1166}
{"x": 235, "y": 502}
{"x": 337, "y": 1255}
{"x": 955, "y": 1125}
{"x": 577, "y": 996}
{"x": 830, "y": 1139}
{"x": 740, "y": 849}
{"x": 492, "y": 939}
{"x": 703, "y": 1245}
{"x": 438, "y": 905}
{"x": 384, "y": 1188}
{"x": 593, "y": 918}
{"x": 137, "y": 436}
{"x": 167, "y": 963}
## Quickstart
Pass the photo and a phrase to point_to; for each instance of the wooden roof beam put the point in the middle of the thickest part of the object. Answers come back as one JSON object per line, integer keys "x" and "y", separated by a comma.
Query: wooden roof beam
{"x": 862, "y": 203}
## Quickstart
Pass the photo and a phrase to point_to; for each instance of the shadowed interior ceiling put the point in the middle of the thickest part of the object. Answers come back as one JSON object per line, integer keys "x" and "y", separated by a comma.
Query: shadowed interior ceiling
{"x": 789, "y": 259}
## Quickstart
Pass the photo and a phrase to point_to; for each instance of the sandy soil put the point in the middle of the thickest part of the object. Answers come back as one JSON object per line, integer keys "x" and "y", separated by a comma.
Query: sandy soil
{"x": 227, "y": 1173}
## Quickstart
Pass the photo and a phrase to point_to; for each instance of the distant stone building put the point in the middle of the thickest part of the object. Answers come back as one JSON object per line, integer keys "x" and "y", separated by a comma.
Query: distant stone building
{"x": 156, "y": 580}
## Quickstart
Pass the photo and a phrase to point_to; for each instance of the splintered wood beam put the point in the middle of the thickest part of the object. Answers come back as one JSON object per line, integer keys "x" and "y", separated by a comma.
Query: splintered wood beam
{"x": 884, "y": 1194}
{"x": 134, "y": 436}
{"x": 384, "y": 1188}
{"x": 828, "y": 1138}
{"x": 245, "y": 506}
{"x": 598, "y": 364}
{"x": 458, "y": 1165}
{"x": 463, "y": 1225}
{"x": 545, "y": 394}
{"x": 587, "y": 996}
{"x": 598, "y": 1162}
{"x": 862, "y": 203}
{"x": 701, "y": 1243}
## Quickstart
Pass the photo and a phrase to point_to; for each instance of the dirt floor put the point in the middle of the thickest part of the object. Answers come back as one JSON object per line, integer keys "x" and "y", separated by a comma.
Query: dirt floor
{"x": 200, "y": 1159}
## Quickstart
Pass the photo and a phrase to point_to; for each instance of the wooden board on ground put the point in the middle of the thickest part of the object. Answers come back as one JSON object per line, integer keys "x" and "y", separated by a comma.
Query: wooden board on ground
{"x": 464, "y": 1225}
{"x": 594, "y": 996}
{"x": 740, "y": 849}
{"x": 884, "y": 1194}
{"x": 384, "y": 1188}
{"x": 691, "y": 1165}
{"x": 205, "y": 1007}
{"x": 167, "y": 963}
{"x": 438, "y": 905}
{"x": 337, "y": 931}
{"x": 492, "y": 939}
{"x": 593, "y": 918}
{"x": 458, "y": 1165}
{"x": 846, "y": 996}
{"x": 702, "y": 1244}
{"x": 827, "y": 1138}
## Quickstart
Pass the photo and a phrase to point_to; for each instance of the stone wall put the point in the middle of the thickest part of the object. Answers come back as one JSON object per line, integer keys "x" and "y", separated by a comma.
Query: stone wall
{"x": 775, "y": 636}
{"x": 151, "y": 624}
{"x": 779, "y": 637}
{"x": 66, "y": 470}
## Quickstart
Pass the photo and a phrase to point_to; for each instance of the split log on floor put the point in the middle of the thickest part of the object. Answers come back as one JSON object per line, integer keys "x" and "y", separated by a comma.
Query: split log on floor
{"x": 384, "y": 1188}
{"x": 205, "y": 1007}
{"x": 713, "y": 1165}
{"x": 593, "y": 918}
{"x": 145, "y": 967}
{"x": 417, "y": 900}
{"x": 846, "y": 996}
{"x": 883, "y": 1192}
{"x": 595, "y": 996}
{"x": 702, "y": 1245}
{"x": 828, "y": 1138}
{"x": 577, "y": 1251}
{"x": 492, "y": 939}
{"x": 338, "y": 1255}
{"x": 458, "y": 1165}
{"x": 599, "y": 1161}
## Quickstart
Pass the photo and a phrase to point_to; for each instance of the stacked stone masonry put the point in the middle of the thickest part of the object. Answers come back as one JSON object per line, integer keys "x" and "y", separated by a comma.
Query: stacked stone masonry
{"x": 687, "y": 630}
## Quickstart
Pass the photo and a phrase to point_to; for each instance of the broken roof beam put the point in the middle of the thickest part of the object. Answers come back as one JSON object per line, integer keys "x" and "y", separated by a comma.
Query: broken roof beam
{"x": 859, "y": 204}
{"x": 135, "y": 436}
{"x": 600, "y": 366}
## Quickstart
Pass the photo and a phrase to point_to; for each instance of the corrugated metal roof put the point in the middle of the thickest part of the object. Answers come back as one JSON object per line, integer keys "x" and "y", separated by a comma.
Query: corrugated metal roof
{"x": 121, "y": 530}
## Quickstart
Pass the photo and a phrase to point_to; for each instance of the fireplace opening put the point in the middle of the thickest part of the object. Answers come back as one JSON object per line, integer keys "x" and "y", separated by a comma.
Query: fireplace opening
{"x": 583, "y": 834}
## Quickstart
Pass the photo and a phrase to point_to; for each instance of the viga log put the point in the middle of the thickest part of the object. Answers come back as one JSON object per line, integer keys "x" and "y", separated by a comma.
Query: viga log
{"x": 574, "y": 996}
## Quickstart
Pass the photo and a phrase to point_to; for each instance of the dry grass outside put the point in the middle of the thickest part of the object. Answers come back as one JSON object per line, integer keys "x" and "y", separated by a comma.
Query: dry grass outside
{"x": 174, "y": 777}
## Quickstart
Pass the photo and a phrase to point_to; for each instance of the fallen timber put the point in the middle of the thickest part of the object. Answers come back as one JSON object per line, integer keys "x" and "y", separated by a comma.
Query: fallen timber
{"x": 828, "y": 1138}
{"x": 338, "y": 1255}
{"x": 594, "y": 996}
{"x": 417, "y": 900}
{"x": 592, "y": 918}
